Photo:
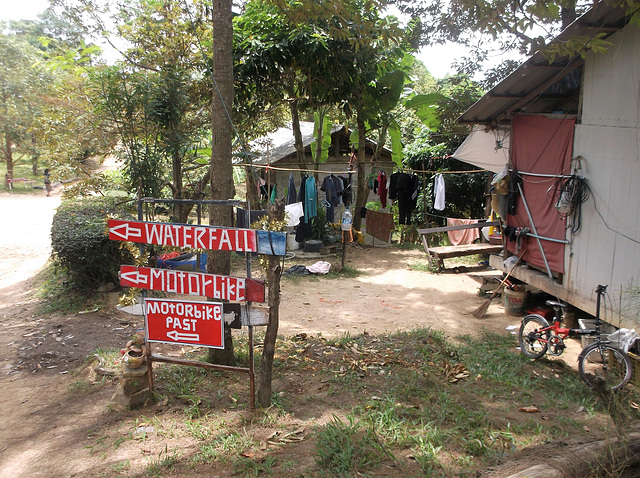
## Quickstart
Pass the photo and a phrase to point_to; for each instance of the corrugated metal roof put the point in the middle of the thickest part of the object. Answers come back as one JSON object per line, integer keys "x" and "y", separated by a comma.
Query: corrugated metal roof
{"x": 281, "y": 144}
{"x": 543, "y": 86}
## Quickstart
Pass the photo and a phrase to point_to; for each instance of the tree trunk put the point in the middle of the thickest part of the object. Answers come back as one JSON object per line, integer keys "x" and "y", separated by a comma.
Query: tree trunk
{"x": 276, "y": 212}
{"x": 8, "y": 156}
{"x": 219, "y": 262}
{"x": 297, "y": 136}
{"x": 178, "y": 209}
{"x": 362, "y": 192}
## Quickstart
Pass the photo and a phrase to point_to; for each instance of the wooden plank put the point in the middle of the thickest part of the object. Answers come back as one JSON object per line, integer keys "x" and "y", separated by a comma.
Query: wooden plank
{"x": 445, "y": 252}
{"x": 237, "y": 315}
{"x": 460, "y": 227}
{"x": 540, "y": 280}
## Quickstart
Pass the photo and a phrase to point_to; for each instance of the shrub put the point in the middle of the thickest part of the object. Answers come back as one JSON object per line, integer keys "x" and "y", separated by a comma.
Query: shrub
{"x": 81, "y": 244}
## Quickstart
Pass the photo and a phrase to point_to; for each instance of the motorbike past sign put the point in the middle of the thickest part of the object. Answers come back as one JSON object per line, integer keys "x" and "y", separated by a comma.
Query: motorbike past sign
{"x": 184, "y": 322}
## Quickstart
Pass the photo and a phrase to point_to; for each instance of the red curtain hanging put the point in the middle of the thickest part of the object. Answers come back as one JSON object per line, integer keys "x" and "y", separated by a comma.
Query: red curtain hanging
{"x": 544, "y": 146}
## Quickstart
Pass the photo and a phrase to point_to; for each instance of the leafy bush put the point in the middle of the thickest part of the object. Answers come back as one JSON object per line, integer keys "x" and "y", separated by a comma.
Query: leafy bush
{"x": 81, "y": 243}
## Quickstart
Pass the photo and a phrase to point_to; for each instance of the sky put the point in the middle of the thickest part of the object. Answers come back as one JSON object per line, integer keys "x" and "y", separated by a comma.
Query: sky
{"x": 437, "y": 59}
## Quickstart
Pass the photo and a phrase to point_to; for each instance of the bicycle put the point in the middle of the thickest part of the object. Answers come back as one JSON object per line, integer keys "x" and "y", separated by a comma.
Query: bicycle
{"x": 599, "y": 363}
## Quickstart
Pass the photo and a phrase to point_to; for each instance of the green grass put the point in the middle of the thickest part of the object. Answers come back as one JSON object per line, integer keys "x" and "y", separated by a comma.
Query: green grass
{"x": 395, "y": 406}
{"x": 56, "y": 295}
{"x": 248, "y": 467}
{"x": 223, "y": 446}
{"x": 348, "y": 447}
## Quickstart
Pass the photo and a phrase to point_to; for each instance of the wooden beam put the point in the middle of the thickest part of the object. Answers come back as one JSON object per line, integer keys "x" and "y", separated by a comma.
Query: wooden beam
{"x": 480, "y": 225}
{"x": 541, "y": 281}
{"x": 599, "y": 28}
{"x": 540, "y": 89}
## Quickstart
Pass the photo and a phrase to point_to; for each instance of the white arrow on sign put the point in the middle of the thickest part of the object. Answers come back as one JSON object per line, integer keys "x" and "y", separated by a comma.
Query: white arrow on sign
{"x": 135, "y": 277}
{"x": 128, "y": 231}
{"x": 177, "y": 336}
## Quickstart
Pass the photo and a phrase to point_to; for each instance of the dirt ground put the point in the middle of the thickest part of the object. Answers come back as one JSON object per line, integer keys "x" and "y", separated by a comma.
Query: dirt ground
{"x": 46, "y": 431}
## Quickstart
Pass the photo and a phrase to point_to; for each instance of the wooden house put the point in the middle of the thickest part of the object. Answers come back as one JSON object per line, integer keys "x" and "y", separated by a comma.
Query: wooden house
{"x": 570, "y": 126}
{"x": 276, "y": 159}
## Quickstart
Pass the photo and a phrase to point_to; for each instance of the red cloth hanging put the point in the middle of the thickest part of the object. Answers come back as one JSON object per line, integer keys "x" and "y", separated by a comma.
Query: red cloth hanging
{"x": 544, "y": 146}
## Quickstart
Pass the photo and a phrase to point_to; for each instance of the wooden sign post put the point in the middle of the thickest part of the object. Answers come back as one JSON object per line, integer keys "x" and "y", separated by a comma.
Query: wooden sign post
{"x": 197, "y": 323}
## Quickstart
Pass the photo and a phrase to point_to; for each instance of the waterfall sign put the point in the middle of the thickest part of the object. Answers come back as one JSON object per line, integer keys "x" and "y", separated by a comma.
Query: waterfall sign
{"x": 184, "y": 322}
{"x": 199, "y": 237}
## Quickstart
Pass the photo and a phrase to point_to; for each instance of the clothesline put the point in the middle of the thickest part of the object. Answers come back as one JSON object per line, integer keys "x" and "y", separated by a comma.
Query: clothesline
{"x": 443, "y": 172}
{"x": 276, "y": 168}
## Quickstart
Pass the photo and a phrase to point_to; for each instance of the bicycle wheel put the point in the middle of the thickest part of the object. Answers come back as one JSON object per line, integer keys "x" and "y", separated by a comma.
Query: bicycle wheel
{"x": 603, "y": 365}
{"x": 533, "y": 341}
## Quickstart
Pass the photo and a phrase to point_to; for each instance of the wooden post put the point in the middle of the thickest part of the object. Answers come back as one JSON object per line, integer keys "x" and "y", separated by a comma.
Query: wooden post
{"x": 275, "y": 212}
{"x": 344, "y": 249}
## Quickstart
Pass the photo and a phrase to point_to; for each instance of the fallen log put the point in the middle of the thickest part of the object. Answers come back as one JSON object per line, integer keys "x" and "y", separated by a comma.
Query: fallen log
{"x": 612, "y": 454}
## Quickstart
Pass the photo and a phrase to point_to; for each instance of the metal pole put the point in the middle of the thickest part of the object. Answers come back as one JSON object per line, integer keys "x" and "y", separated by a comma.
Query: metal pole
{"x": 252, "y": 375}
{"x": 535, "y": 232}
{"x": 550, "y": 239}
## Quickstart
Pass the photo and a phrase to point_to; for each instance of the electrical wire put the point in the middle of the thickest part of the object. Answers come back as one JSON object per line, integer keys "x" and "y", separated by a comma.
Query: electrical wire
{"x": 570, "y": 194}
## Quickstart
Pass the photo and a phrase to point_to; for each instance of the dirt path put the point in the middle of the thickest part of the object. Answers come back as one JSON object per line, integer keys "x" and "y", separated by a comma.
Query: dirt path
{"x": 389, "y": 296}
{"x": 47, "y": 431}
{"x": 25, "y": 242}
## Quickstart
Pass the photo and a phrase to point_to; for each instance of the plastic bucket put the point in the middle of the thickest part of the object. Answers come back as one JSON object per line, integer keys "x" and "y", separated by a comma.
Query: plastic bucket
{"x": 292, "y": 244}
{"x": 514, "y": 302}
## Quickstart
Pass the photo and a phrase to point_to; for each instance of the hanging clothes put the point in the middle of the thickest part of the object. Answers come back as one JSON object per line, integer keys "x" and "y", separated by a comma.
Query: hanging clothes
{"x": 303, "y": 181}
{"x": 514, "y": 193}
{"x": 338, "y": 186}
{"x": 347, "y": 191}
{"x": 438, "y": 188}
{"x": 393, "y": 185}
{"x": 301, "y": 191}
{"x": 311, "y": 199}
{"x": 331, "y": 200}
{"x": 382, "y": 188}
{"x": 274, "y": 194}
{"x": 292, "y": 195}
{"x": 405, "y": 190}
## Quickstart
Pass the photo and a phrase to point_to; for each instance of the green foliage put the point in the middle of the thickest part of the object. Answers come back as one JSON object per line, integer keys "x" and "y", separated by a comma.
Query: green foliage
{"x": 347, "y": 448}
{"x": 107, "y": 183}
{"x": 81, "y": 244}
{"x": 322, "y": 134}
{"x": 22, "y": 84}
{"x": 431, "y": 150}
{"x": 320, "y": 228}
{"x": 577, "y": 44}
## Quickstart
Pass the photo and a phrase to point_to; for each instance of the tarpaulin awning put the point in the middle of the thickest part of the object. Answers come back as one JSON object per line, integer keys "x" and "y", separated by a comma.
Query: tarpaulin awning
{"x": 487, "y": 149}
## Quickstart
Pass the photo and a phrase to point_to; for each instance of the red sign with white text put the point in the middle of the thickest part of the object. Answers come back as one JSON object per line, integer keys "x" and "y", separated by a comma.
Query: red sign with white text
{"x": 183, "y": 235}
{"x": 235, "y": 289}
{"x": 184, "y": 322}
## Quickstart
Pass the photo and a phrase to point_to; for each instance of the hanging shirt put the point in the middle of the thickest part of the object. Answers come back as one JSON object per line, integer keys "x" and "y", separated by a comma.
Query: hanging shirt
{"x": 330, "y": 198}
{"x": 339, "y": 188}
{"x": 393, "y": 185}
{"x": 438, "y": 188}
{"x": 291, "y": 190}
{"x": 382, "y": 188}
{"x": 311, "y": 199}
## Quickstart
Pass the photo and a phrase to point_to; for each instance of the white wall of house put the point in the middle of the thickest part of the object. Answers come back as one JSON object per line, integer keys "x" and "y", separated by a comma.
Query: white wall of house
{"x": 606, "y": 250}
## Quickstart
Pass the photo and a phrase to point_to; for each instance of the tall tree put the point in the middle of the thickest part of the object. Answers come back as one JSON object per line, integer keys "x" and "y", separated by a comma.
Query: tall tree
{"x": 221, "y": 144}
{"x": 22, "y": 84}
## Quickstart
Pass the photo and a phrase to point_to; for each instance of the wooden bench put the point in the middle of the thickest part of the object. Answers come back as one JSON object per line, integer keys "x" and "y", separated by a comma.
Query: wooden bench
{"x": 438, "y": 254}
{"x": 19, "y": 180}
